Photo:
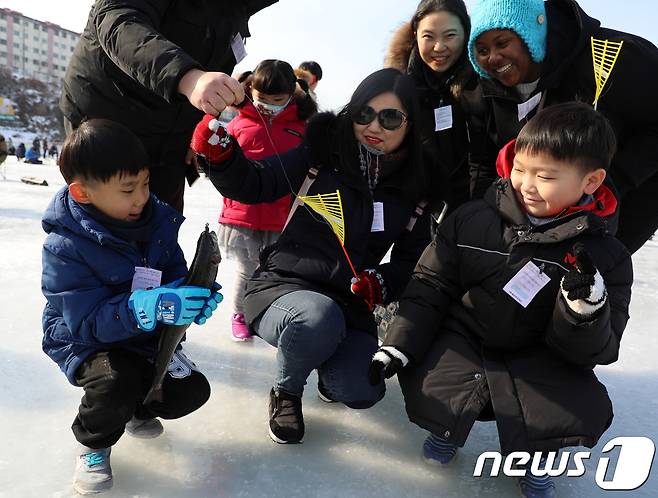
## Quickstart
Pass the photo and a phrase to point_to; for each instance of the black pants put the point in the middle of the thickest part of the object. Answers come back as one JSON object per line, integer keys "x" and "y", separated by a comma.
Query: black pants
{"x": 115, "y": 384}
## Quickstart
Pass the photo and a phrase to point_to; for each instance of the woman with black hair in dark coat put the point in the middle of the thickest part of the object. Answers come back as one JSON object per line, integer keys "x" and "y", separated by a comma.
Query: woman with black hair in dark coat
{"x": 431, "y": 48}
{"x": 305, "y": 299}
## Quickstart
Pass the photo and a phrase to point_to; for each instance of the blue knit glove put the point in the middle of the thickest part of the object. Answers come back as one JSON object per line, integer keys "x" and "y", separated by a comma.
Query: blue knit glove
{"x": 211, "y": 305}
{"x": 171, "y": 306}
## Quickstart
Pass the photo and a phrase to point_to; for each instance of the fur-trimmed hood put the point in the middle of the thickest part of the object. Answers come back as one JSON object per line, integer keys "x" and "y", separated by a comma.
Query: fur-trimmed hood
{"x": 399, "y": 48}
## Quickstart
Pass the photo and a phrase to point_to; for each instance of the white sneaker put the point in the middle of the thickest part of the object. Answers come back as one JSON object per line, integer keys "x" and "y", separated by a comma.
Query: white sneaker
{"x": 144, "y": 429}
{"x": 93, "y": 473}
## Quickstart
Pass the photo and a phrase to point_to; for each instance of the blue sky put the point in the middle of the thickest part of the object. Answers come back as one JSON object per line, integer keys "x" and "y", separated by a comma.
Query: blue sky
{"x": 348, "y": 38}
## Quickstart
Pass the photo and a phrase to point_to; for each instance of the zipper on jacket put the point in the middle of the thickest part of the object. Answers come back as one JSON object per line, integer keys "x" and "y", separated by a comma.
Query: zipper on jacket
{"x": 523, "y": 231}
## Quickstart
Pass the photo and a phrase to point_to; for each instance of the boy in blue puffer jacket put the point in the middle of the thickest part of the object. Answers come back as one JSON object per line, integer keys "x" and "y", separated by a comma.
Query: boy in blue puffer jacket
{"x": 111, "y": 246}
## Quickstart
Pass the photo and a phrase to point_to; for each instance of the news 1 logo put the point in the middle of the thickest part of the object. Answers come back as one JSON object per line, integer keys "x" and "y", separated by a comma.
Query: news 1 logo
{"x": 632, "y": 470}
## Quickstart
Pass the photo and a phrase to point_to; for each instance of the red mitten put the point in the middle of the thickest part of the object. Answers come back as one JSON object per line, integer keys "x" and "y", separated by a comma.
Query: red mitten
{"x": 211, "y": 140}
{"x": 369, "y": 285}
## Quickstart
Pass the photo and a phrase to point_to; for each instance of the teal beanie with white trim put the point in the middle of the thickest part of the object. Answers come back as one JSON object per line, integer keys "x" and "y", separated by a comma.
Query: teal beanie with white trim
{"x": 527, "y": 18}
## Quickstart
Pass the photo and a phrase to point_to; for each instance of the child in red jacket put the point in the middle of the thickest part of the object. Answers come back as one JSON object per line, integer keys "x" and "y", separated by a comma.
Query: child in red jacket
{"x": 271, "y": 121}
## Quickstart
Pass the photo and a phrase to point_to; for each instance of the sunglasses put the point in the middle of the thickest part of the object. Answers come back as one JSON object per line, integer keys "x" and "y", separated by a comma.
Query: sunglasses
{"x": 389, "y": 119}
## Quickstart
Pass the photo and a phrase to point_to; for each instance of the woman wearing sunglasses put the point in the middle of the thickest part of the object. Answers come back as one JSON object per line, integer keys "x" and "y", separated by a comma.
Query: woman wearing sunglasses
{"x": 431, "y": 48}
{"x": 306, "y": 298}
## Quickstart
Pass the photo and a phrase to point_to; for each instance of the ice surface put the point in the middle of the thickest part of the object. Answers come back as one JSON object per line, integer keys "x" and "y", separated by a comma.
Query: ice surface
{"x": 223, "y": 450}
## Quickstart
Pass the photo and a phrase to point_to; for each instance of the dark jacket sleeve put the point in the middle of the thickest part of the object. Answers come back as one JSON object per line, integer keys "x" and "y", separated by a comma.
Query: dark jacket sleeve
{"x": 93, "y": 312}
{"x": 433, "y": 286}
{"x": 632, "y": 106}
{"x": 404, "y": 256}
{"x": 265, "y": 180}
{"x": 128, "y": 33}
{"x": 482, "y": 149}
{"x": 253, "y": 6}
{"x": 595, "y": 341}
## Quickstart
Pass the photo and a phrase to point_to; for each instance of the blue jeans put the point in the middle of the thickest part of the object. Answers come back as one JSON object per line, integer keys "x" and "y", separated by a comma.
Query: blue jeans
{"x": 308, "y": 330}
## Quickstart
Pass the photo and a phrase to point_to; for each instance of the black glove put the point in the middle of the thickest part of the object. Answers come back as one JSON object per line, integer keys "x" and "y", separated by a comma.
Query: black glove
{"x": 386, "y": 362}
{"x": 583, "y": 288}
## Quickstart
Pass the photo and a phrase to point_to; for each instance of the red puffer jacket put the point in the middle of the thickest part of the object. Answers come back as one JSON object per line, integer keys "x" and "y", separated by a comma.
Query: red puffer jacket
{"x": 286, "y": 131}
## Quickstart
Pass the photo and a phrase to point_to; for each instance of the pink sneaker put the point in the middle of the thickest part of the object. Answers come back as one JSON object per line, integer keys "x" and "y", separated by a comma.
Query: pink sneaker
{"x": 239, "y": 330}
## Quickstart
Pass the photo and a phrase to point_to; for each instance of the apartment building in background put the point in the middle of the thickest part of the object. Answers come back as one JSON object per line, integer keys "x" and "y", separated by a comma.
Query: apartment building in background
{"x": 37, "y": 49}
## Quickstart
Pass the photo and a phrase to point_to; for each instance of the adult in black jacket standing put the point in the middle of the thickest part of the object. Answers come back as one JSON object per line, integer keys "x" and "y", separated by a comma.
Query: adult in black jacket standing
{"x": 156, "y": 66}
{"x": 431, "y": 48}
{"x": 304, "y": 298}
{"x": 532, "y": 54}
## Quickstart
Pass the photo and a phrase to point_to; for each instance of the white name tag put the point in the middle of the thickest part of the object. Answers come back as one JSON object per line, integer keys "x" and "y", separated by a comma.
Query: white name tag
{"x": 443, "y": 118}
{"x": 239, "y": 50}
{"x": 145, "y": 278}
{"x": 528, "y": 105}
{"x": 377, "y": 217}
{"x": 525, "y": 285}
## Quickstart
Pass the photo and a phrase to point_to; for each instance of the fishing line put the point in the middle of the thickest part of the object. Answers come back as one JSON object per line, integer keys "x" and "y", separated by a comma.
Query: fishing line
{"x": 283, "y": 168}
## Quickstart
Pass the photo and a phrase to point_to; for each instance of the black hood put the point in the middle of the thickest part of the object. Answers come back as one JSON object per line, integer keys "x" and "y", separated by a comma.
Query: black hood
{"x": 569, "y": 32}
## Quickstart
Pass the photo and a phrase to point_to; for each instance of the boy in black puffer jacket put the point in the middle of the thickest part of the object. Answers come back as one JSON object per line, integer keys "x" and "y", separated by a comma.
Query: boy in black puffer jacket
{"x": 518, "y": 298}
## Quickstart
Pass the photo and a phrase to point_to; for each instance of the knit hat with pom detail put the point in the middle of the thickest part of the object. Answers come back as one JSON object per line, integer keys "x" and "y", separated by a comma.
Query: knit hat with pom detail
{"x": 527, "y": 18}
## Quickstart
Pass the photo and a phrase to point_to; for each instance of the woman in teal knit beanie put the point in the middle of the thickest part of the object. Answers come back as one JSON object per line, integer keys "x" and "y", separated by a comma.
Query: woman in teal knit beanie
{"x": 532, "y": 54}
{"x": 519, "y": 24}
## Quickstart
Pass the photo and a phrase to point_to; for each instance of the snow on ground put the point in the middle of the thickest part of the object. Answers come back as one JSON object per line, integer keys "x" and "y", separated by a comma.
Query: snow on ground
{"x": 223, "y": 448}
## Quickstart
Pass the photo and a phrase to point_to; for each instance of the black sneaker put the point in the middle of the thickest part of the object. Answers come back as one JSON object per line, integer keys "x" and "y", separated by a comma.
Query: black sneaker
{"x": 323, "y": 394}
{"x": 286, "y": 419}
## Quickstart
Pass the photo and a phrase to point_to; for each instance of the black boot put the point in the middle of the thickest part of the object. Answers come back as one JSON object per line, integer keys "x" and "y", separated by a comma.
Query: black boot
{"x": 286, "y": 419}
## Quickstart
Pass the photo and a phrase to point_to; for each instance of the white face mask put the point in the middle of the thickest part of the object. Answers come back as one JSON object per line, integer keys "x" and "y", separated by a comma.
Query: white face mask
{"x": 270, "y": 110}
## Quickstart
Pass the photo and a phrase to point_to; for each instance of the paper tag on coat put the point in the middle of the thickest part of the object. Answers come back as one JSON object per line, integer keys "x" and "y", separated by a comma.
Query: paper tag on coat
{"x": 145, "y": 278}
{"x": 524, "y": 286}
{"x": 377, "y": 217}
{"x": 239, "y": 50}
{"x": 443, "y": 118}
{"x": 528, "y": 105}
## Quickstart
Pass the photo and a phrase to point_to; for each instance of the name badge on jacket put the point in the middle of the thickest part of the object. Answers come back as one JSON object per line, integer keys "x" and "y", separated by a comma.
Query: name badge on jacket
{"x": 443, "y": 118}
{"x": 145, "y": 278}
{"x": 377, "y": 217}
{"x": 526, "y": 107}
{"x": 524, "y": 286}
{"x": 238, "y": 47}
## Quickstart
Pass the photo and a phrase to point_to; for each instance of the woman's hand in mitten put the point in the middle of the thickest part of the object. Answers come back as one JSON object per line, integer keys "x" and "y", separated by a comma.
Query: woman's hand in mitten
{"x": 211, "y": 140}
{"x": 369, "y": 285}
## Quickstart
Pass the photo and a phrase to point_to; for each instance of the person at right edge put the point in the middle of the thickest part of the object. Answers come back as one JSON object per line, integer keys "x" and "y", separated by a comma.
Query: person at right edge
{"x": 532, "y": 54}
{"x": 515, "y": 302}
